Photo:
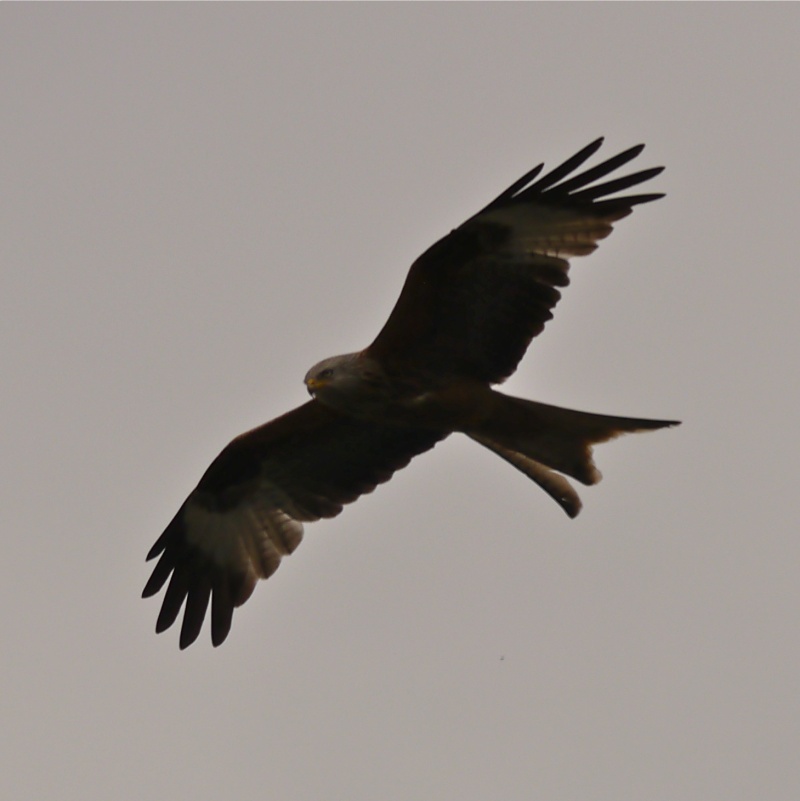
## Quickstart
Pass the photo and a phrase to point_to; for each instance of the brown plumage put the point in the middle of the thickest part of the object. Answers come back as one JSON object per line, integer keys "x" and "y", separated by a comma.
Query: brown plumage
{"x": 470, "y": 306}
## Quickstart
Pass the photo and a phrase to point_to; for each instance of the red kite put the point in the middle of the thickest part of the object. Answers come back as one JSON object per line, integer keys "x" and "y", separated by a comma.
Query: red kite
{"x": 470, "y": 307}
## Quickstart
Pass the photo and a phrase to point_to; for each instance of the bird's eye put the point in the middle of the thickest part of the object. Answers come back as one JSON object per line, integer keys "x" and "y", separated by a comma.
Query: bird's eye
{"x": 326, "y": 373}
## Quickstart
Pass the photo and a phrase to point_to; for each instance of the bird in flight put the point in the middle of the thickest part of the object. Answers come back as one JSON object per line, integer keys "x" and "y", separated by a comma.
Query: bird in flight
{"x": 470, "y": 306}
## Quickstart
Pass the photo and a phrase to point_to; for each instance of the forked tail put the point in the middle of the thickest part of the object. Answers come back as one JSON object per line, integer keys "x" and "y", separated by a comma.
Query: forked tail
{"x": 539, "y": 439}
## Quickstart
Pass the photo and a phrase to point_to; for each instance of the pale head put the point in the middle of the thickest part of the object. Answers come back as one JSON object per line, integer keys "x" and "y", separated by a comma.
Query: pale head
{"x": 352, "y": 383}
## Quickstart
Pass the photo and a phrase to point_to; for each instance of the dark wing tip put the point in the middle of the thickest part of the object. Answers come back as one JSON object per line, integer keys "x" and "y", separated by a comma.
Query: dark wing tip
{"x": 512, "y": 190}
{"x": 525, "y": 180}
{"x": 221, "y": 614}
{"x": 556, "y": 188}
{"x": 635, "y": 200}
{"x": 195, "y": 610}
{"x": 156, "y": 581}
{"x": 158, "y": 547}
{"x": 564, "y": 169}
{"x": 572, "y": 509}
{"x": 664, "y": 423}
{"x": 193, "y": 582}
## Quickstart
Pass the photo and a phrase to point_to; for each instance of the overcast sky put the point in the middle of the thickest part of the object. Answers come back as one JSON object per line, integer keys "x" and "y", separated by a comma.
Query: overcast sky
{"x": 201, "y": 201}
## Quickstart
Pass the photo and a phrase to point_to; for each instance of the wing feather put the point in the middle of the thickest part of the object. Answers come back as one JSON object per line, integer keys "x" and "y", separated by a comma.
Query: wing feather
{"x": 248, "y": 509}
{"x": 473, "y": 302}
{"x": 570, "y": 165}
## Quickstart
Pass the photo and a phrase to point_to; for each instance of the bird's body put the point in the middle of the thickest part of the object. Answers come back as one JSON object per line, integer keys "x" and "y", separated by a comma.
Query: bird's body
{"x": 469, "y": 308}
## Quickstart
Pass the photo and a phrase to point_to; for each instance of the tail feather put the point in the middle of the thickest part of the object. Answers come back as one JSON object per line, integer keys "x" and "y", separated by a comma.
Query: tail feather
{"x": 539, "y": 439}
{"x": 554, "y": 484}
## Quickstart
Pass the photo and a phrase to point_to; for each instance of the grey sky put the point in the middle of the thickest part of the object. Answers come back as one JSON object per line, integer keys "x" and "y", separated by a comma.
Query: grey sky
{"x": 198, "y": 203}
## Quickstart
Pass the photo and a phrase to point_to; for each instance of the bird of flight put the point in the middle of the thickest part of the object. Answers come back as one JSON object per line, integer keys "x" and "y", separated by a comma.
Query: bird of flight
{"x": 470, "y": 306}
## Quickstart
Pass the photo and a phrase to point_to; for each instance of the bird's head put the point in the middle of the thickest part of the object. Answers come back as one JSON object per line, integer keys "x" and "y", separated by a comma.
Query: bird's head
{"x": 331, "y": 373}
{"x": 350, "y": 383}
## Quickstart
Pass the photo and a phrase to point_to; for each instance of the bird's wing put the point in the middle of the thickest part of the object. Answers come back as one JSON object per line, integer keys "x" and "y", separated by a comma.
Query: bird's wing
{"x": 246, "y": 512}
{"x": 473, "y": 302}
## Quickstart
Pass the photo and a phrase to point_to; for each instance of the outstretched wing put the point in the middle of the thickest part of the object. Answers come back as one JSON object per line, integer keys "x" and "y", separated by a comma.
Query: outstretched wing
{"x": 247, "y": 511}
{"x": 473, "y": 302}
